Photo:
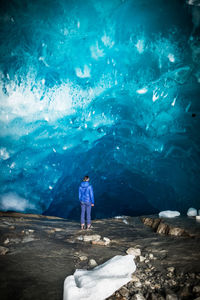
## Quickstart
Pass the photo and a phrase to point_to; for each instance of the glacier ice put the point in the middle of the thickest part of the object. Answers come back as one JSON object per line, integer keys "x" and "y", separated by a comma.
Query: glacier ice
{"x": 102, "y": 281}
{"x": 192, "y": 212}
{"x": 105, "y": 88}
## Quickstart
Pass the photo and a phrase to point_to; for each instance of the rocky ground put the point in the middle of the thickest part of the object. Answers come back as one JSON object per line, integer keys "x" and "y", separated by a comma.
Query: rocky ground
{"x": 38, "y": 252}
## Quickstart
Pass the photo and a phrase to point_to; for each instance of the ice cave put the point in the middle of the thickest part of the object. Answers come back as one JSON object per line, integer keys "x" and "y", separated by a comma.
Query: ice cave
{"x": 105, "y": 88}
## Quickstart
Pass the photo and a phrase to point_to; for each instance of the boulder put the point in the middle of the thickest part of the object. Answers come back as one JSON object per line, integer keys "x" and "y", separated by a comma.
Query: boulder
{"x": 92, "y": 263}
{"x": 133, "y": 251}
{"x": 3, "y": 250}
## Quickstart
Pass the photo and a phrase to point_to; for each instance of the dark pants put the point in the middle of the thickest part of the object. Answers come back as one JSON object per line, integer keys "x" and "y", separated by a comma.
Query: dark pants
{"x": 86, "y": 207}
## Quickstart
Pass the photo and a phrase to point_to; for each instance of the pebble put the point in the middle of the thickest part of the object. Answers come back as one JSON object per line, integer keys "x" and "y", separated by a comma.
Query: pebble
{"x": 171, "y": 269}
{"x": 92, "y": 263}
{"x": 106, "y": 240}
{"x": 142, "y": 258}
{"x": 83, "y": 257}
{"x": 138, "y": 296}
{"x": 89, "y": 238}
{"x": 3, "y": 250}
{"x": 133, "y": 251}
{"x": 196, "y": 289}
{"x": 6, "y": 241}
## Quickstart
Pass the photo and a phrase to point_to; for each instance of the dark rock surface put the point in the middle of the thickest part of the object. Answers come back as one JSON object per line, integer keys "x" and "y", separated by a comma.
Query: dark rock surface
{"x": 42, "y": 251}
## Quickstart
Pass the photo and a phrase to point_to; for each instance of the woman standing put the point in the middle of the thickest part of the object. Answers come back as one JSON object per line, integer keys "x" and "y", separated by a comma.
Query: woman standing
{"x": 86, "y": 198}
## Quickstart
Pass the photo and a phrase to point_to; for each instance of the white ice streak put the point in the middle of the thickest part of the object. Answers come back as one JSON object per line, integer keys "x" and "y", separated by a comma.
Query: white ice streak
{"x": 4, "y": 154}
{"x": 12, "y": 201}
{"x": 83, "y": 74}
{"x": 169, "y": 214}
{"x": 102, "y": 281}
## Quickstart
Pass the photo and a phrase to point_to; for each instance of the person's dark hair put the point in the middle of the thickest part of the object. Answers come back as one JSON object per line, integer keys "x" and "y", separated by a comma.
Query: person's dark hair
{"x": 86, "y": 178}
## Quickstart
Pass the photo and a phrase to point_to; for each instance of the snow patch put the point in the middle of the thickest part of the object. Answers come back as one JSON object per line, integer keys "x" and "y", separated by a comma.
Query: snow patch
{"x": 192, "y": 212}
{"x": 102, "y": 281}
{"x": 169, "y": 214}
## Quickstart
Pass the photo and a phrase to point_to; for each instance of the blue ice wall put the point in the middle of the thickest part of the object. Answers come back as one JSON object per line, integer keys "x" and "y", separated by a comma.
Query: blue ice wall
{"x": 107, "y": 88}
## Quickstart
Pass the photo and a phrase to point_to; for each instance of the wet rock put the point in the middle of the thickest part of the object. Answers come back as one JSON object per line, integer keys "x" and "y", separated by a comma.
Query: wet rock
{"x": 151, "y": 256}
{"x": 12, "y": 227}
{"x": 147, "y": 221}
{"x": 93, "y": 237}
{"x": 133, "y": 251}
{"x": 92, "y": 263}
{"x": 3, "y": 250}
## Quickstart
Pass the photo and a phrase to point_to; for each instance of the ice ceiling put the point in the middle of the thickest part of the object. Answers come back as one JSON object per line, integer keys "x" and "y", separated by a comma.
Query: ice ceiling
{"x": 105, "y": 88}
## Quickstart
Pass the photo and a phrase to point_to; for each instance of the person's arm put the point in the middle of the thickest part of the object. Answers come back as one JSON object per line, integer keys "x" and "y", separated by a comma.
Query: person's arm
{"x": 92, "y": 195}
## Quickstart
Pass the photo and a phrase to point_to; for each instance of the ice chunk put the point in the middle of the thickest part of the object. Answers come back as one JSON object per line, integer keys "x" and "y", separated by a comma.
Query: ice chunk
{"x": 102, "y": 281}
{"x": 192, "y": 212}
{"x": 169, "y": 214}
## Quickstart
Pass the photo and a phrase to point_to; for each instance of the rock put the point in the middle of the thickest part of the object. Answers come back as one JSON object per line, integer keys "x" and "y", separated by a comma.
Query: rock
{"x": 137, "y": 284}
{"x": 155, "y": 224}
{"x": 162, "y": 228}
{"x": 12, "y": 227}
{"x": 196, "y": 289}
{"x": 138, "y": 296}
{"x": 100, "y": 243}
{"x": 141, "y": 258}
{"x": 184, "y": 293}
{"x": 124, "y": 292}
{"x": 106, "y": 240}
{"x": 58, "y": 229}
{"x": 170, "y": 295}
{"x": 7, "y": 241}
{"x": 135, "y": 278}
{"x": 176, "y": 231}
{"x": 147, "y": 221}
{"x": 151, "y": 256}
{"x": 171, "y": 269}
{"x": 80, "y": 238}
{"x": 83, "y": 257}
{"x": 31, "y": 230}
{"x": 133, "y": 251}
{"x": 3, "y": 250}
{"x": 197, "y": 298}
{"x": 92, "y": 263}
{"x": 50, "y": 231}
{"x": 93, "y": 237}
{"x": 156, "y": 296}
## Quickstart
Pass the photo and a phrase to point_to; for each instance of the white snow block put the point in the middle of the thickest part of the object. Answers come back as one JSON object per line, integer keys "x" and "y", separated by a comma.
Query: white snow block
{"x": 192, "y": 212}
{"x": 102, "y": 281}
{"x": 169, "y": 214}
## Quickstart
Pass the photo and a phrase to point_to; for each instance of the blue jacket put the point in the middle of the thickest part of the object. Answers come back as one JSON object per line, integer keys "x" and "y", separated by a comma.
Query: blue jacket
{"x": 86, "y": 193}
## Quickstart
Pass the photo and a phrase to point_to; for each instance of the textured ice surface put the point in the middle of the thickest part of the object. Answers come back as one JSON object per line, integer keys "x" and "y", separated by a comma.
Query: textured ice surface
{"x": 105, "y": 88}
{"x": 102, "y": 281}
{"x": 169, "y": 214}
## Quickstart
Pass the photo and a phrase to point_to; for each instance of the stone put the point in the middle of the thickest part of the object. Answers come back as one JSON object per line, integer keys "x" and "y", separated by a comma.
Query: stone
{"x": 147, "y": 221}
{"x": 162, "y": 228}
{"x": 83, "y": 257}
{"x": 184, "y": 293}
{"x": 133, "y": 251}
{"x": 93, "y": 237}
{"x": 7, "y": 241}
{"x": 100, "y": 243}
{"x": 135, "y": 278}
{"x": 138, "y": 296}
{"x": 3, "y": 250}
{"x": 141, "y": 258}
{"x": 196, "y": 289}
{"x": 156, "y": 296}
{"x": 106, "y": 240}
{"x": 92, "y": 263}
{"x": 31, "y": 230}
{"x": 170, "y": 295}
{"x": 176, "y": 231}
{"x": 171, "y": 269}
{"x": 137, "y": 284}
{"x": 151, "y": 256}
{"x": 12, "y": 227}
{"x": 124, "y": 292}
{"x": 58, "y": 229}
{"x": 155, "y": 224}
